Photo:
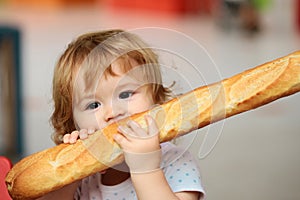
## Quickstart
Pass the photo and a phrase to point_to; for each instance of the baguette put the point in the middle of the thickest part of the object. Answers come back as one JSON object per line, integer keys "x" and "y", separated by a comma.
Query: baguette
{"x": 55, "y": 167}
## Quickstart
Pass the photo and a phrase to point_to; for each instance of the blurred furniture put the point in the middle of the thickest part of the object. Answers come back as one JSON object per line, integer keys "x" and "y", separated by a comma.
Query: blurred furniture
{"x": 51, "y": 3}
{"x": 5, "y": 166}
{"x": 163, "y": 6}
{"x": 10, "y": 92}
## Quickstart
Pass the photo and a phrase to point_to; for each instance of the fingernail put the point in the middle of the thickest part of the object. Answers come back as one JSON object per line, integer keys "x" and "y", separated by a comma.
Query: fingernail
{"x": 83, "y": 136}
{"x": 131, "y": 122}
{"x": 120, "y": 128}
{"x": 72, "y": 141}
{"x": 91, "y": 131}
{"x": 83, "y": 131}
{"x": 148, "y": 117}
{"x": 116, "y": 136}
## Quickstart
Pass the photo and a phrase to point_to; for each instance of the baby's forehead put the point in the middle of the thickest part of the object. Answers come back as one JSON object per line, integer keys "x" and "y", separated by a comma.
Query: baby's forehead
{"x": 134, "y": 74}
{"x": 117, "y": 80}
{"x": 129, "y": 69}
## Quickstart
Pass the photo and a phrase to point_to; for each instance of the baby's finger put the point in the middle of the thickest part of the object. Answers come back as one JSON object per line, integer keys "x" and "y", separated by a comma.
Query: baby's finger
{"x": 133, "y": 124}
{"x": 125, "y": 131}
{"x": 66, "y": 138}
{"x": 136, "y": 129}
{"x": 83, "y": 134}
{"x": 121, "y": 140}
{"x": 91, "y": 131}
{"x": 152, "y": 126}
{"x": 73, "y": 137}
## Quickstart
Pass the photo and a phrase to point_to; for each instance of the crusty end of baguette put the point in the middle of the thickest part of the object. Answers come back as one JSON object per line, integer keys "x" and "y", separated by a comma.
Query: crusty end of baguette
{"x": 61, "y": 165}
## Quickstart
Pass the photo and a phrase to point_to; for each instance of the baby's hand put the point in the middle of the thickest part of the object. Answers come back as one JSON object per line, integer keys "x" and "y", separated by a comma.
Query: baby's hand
{"x": 135, "y": 139}
{"x": 72, "y": 137}
{"x": 141, "y": 148}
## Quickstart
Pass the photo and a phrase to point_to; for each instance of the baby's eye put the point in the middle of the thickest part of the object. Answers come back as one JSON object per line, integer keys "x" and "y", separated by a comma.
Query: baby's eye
{"x": 125, "y": 95}
{"x": 93, "y": 106}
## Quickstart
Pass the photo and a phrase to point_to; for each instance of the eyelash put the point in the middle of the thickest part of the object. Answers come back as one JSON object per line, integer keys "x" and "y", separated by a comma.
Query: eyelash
{"x": 128, "y": 94}
{"x": 95, "y": 105}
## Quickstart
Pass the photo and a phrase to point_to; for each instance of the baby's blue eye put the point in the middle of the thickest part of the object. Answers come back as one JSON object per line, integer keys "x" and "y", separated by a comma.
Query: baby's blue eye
{"x": 93, "y": 105}
{"x": 125, "y": 95}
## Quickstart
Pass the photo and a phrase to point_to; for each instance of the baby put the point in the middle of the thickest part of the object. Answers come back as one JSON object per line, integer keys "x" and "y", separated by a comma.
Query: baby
{"x": 103, "y": 77}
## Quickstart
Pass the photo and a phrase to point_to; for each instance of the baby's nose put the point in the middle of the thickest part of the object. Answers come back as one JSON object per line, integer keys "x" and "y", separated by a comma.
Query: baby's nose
{"x": 114, "y": 113}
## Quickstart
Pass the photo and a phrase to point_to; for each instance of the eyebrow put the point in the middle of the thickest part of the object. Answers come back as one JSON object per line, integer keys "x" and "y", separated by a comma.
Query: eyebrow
{"x": 81, "y": 98}
{"x": 92, "y": 95}
{"x": 128, "y": 84}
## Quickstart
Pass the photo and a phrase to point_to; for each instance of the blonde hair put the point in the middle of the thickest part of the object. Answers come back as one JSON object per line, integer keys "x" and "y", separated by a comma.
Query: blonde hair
{"x": 92, "y": 54}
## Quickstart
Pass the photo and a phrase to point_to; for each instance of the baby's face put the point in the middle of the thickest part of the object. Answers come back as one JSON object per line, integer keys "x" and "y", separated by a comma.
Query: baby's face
{"x": 115, "y": 98}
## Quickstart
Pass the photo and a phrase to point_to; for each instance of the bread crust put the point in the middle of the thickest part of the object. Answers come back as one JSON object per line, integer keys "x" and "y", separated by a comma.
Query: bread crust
{"x": 51, "y": 169}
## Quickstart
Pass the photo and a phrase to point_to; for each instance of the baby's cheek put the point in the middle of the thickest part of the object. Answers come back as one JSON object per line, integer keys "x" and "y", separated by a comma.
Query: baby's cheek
{"x": 87, "y": 122}
{"x": 139, "y": 106}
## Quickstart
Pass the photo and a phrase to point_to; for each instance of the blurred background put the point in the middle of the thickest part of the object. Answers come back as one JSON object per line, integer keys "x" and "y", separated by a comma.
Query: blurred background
{"x": 254, "y": 155}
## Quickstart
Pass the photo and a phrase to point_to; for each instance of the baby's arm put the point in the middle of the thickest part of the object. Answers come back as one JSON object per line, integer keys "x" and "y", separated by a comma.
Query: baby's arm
{"x": 142, "y": 155}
